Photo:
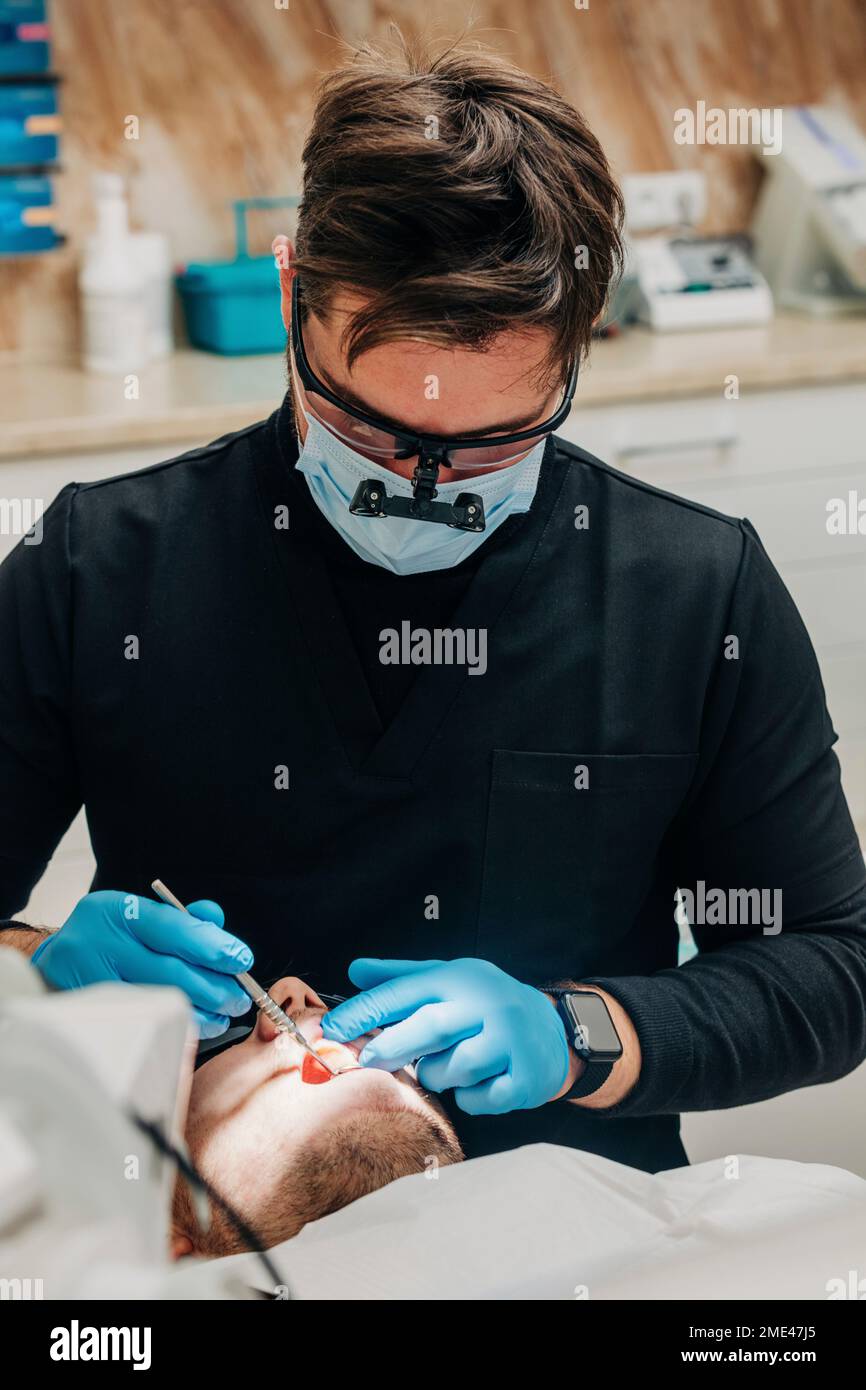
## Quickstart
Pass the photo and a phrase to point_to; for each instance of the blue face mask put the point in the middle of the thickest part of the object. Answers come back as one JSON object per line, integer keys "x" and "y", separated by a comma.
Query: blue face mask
{"x": 333, "y": 472}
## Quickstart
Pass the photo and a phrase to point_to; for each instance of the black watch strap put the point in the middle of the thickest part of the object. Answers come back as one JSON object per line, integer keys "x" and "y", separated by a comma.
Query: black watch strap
{"x": 595, "y": 1071}
{"x": 591, "y": 1079}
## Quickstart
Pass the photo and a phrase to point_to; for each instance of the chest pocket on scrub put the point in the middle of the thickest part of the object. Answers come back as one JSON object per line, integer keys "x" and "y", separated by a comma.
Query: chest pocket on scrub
{"x": 571, "y": 844}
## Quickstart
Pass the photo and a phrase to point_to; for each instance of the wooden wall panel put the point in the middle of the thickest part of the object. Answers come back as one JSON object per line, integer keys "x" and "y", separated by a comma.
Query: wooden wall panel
{"x": 223, "y": 90}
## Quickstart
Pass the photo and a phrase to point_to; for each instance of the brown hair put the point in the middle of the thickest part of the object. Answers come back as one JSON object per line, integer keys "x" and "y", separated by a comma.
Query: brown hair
{"x": 451, "y": 192}
{"x": 364, "y": 1151}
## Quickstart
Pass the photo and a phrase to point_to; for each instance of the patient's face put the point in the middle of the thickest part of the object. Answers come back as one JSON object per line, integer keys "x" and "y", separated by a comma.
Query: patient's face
{"x": 285, "y": 1143}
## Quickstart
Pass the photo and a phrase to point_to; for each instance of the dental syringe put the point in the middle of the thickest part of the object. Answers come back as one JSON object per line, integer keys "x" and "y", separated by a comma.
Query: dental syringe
{"x": 260, "y": 997}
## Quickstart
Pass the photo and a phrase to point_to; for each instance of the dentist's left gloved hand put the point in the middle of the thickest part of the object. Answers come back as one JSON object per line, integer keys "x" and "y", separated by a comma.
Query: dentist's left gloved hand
{"x": 498, "y": 1043}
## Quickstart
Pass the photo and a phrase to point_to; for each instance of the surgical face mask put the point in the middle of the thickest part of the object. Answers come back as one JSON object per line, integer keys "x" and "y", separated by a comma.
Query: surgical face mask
{"x": 400, "y": 544}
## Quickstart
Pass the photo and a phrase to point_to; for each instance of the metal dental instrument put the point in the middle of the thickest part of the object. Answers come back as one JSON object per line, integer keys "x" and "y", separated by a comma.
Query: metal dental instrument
{"x": 259, "y": 996}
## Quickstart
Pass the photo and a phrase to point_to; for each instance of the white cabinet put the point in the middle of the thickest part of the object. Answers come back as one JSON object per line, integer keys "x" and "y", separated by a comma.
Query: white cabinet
{"x": 778, "y": 458}
{"x": 803, "y": 429}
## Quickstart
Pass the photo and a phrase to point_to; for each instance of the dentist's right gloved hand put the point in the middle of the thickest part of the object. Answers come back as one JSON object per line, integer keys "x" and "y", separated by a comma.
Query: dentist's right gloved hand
{"x": 121, "y": 936}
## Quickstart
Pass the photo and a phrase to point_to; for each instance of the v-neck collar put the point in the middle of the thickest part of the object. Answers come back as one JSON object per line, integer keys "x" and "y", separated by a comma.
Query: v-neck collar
{"x": 372, "y": 749}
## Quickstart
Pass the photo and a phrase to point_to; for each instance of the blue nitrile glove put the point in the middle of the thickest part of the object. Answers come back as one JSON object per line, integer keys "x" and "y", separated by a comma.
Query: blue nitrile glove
{"x": 121, "y": 936}
{"x": 500, "y": 1044}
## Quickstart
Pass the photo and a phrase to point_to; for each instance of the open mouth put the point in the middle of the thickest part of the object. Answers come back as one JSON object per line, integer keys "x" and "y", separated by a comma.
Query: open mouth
{"x": 342, "y": 1057}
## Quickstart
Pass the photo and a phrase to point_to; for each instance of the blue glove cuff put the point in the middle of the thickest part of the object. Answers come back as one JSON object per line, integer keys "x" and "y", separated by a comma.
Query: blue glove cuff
{"x": 39, "y": 949}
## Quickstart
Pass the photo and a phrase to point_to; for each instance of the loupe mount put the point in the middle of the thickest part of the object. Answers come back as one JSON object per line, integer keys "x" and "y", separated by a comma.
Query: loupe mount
{"x": 465, "y": 513}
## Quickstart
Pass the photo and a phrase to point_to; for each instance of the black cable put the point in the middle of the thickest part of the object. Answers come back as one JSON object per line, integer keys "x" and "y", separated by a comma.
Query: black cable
{"x": 196, "y": 1180}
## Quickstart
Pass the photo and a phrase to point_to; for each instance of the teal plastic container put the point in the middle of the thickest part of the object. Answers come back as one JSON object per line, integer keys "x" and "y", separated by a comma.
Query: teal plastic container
{"x": 233, "y": 307}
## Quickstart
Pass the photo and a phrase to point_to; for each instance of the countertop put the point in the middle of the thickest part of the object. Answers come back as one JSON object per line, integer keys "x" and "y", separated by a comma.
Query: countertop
{"x": 197, "y": 396}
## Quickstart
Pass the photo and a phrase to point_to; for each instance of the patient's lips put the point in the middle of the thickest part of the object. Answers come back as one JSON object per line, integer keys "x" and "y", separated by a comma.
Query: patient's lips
{"x": 342, "y": 1057}
{"x": 313, "y": 1072}
{"x": 307, "y": 1009}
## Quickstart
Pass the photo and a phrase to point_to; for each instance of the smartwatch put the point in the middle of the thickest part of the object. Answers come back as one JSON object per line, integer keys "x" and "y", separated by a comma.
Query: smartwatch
{"x": 592, "y": 1034}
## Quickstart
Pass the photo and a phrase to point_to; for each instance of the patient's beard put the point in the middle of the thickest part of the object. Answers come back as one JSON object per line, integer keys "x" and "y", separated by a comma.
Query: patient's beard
{"x": 278, "y": 1194}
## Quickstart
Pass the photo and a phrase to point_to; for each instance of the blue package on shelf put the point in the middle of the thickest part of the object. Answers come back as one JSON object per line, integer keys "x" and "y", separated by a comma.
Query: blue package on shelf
{"x": 29, "y": 120}
{"x": 25, "y": 214}
{"x": 24, "y": 37}
{"x": 233, "y": 307}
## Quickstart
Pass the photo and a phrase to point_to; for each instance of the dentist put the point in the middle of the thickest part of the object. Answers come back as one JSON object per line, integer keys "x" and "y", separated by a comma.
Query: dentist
{"x": 195, "y": 653}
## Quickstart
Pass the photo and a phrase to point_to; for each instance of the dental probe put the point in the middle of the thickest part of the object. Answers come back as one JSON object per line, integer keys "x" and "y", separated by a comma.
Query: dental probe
{"x": 260, "y": 997}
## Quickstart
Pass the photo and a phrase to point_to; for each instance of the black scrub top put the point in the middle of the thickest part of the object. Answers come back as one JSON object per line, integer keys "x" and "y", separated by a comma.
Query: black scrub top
{"x": 249, "y": 746}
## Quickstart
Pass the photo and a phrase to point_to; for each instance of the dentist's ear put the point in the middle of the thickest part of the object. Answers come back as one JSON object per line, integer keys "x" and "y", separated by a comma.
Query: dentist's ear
{"x": 284, "y": 255}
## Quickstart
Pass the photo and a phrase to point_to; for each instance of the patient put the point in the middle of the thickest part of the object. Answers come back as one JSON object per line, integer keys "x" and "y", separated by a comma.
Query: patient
{"x": 284, "y": 1143}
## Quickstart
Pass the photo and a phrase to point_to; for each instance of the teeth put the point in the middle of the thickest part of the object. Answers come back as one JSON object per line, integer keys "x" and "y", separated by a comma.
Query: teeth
{"x": 336, "y": 1052}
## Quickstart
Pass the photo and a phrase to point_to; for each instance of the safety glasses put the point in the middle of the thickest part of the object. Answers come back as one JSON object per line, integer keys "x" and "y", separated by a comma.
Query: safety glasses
{"x": 383, "y": 441}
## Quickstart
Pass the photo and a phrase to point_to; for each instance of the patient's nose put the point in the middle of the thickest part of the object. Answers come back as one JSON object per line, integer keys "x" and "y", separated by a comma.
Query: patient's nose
{"x": 294, "y": 996}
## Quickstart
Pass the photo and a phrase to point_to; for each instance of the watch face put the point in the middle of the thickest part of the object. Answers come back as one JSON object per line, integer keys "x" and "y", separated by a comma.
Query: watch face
{"x": 593, "y": 1025}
